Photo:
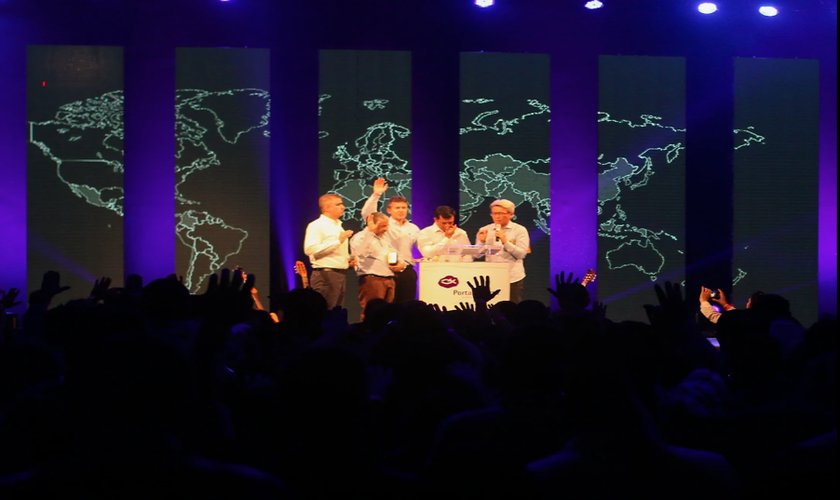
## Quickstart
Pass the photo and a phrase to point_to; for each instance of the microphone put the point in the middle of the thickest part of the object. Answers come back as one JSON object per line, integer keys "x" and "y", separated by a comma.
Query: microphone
{"x": 496, "y": 227}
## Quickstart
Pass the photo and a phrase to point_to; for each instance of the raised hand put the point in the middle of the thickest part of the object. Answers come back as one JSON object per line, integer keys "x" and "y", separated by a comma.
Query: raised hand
{"x": 228, "y": 298}
{"x": 335, "y": 322}
{"x": 481, "y": 289}
{"x": 463, "y": 306}
{"x": 722, "y": 300}
{"x": 600, "y": 310}
{"x": 570, "y": 294}
{"x": 380, "y": 186}
{"x": 100, "y": 289}
{"x": 705, "y": 294}
{"x": 50, "y": 287}
{"x": 342, "y": 237}
{"x": 672, "y": 309}
{"x": 482, "y": 236}
{"x": 179, "y": 279}
{"x": 7, "y": 299}
{"x": 51, "y": 283}
{"x": 437, "y": 308}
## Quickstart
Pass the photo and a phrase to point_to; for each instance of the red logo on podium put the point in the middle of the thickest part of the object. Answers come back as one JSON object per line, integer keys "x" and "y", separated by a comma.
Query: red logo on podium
{"x": 448, "y": 281}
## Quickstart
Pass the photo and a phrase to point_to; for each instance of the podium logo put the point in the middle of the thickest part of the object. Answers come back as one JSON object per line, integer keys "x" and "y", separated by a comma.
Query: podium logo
{"x": 448, "y": 281}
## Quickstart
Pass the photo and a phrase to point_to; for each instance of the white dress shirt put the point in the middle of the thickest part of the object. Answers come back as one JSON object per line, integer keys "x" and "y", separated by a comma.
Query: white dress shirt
{"x": 514, "y": 251}
{"x": 372, "y": 253}
{"x": 401, "y": 236}
{"x": 432, "y": 240}
{"x": 322, "y": 245}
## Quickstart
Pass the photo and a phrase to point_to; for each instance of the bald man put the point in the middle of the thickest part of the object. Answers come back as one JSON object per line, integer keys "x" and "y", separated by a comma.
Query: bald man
{"x": 326, "y": 245}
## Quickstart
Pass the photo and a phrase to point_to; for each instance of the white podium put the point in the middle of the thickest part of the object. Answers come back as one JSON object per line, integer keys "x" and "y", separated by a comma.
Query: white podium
{"x": 445, "y": 283}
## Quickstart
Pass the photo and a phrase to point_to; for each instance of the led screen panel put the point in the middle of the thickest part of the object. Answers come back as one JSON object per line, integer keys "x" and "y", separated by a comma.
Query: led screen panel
{"x": 641, "y": 180}
{"x": 222, "y": 113}
{"x": 74, "y": 112}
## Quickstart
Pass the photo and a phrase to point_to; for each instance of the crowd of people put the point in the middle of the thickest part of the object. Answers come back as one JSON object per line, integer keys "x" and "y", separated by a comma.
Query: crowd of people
{"x": 147, "y": 390}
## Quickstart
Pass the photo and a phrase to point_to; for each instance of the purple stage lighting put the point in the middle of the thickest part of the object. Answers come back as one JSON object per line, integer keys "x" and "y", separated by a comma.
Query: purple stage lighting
{"x": 594, "y": 4}
{"x": 767, "y": 10}
{"x": 484, "y": 3}
{"x": 707, "y": 8}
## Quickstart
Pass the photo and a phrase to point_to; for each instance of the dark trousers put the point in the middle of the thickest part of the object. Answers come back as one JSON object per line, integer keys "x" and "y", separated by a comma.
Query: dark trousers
{"x": 406, "y": 285}
{"x": 331, "y": 283}
{"x": 516, "y": 290}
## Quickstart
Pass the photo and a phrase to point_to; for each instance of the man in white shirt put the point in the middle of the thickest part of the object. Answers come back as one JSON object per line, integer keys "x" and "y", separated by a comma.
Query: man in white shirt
{"x": 326, "y": 245}
{"x": 436, "y": 239}
{"x": 513, "y": 238}
{"x": 378, "y": 261}
{"x": 402, "y": 235}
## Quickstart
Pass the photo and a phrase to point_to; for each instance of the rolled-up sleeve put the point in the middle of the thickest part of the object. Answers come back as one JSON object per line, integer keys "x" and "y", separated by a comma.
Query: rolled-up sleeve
{"x": 709, "y": 312}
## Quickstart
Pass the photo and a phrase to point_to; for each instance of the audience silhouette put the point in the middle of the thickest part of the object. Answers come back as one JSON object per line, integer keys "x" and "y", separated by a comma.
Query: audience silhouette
{"x": 149, "y": 390}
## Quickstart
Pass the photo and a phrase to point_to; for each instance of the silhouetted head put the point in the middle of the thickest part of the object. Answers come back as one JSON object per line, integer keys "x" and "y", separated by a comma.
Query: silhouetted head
{"x": 529, "y": 312}
{"x": 503, "y": 308}
{"x": 417, "y": 345}
{"x": 378, "y": 313}
{"x": 770, "y": 306}
{"x": 166, "y": 299}
{"x": 304, "y": 307}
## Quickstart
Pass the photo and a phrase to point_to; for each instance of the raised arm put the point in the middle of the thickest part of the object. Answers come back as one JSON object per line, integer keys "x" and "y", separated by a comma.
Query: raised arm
{"x": 372, "y": 203}
{"x": 706, "y": 306}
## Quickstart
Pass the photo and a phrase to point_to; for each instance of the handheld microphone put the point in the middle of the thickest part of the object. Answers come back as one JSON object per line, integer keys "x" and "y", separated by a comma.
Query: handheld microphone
{"x": 496, "y": 227}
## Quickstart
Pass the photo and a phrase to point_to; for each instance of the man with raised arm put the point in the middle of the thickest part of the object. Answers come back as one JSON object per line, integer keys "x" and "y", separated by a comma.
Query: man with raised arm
{"x": 514, "y": 240}
{"x": 401, "y": 234}
{"x": 326, "y": 245}
{"x": 437, "y": 238}
{"x": 378, "y": 261}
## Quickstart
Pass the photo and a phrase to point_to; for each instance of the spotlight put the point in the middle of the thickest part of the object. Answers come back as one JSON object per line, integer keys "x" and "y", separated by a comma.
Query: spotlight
{"x": 769, "y": 11}
{"x": 594, "y": 4}
{"x": 707, "y": 8}
{"x": 484, "y": 3}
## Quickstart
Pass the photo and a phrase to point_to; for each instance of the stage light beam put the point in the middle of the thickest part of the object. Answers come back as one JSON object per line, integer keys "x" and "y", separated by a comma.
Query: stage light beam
{"x": 594, "y": 4}
{"x": 768, "y": 10}
{"x": 485, "y": 3}
{"x": 707, "y": 8}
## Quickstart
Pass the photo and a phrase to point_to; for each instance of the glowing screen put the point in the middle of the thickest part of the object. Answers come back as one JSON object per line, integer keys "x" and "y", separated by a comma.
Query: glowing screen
{"x": 222, "y": 113}
{"x": 74, "y": 165}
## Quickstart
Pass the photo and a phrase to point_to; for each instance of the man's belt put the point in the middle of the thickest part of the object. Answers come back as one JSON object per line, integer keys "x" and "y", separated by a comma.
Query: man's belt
{"x": 330, "y": 270}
